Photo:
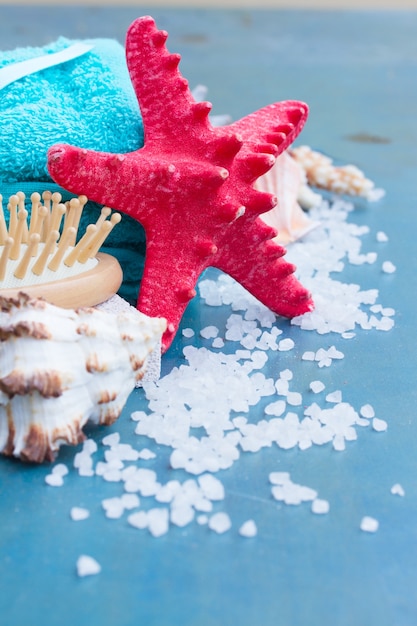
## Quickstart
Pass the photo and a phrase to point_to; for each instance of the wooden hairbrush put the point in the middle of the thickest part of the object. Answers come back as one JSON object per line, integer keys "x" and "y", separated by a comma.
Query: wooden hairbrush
{"x": 40, "y": 254}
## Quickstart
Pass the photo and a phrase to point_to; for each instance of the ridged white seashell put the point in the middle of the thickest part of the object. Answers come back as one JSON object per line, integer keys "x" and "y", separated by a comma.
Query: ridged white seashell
{"x": 285, "y": 180}
{"x": 60, "y": 368}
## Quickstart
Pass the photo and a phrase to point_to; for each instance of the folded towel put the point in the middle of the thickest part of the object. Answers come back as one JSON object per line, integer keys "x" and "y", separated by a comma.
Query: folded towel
{"x": 88, "y": 102}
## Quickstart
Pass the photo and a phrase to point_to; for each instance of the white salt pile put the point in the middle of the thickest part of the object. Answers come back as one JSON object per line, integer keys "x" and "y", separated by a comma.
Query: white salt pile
{"x": 202, "y": 411}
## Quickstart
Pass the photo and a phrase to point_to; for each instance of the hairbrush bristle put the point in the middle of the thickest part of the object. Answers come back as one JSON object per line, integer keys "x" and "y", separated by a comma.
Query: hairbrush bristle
{"x": 49, "y": 238}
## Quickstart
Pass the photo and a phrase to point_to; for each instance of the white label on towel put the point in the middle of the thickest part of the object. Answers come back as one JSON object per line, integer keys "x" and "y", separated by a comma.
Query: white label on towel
{"x": 10, "y": 73}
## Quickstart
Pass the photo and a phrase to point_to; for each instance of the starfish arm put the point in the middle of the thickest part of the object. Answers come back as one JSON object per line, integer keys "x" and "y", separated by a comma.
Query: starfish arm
{"x": 97, "y": 175}
{"x": 168, "y": 283}
{"x": 172, "y": 118}
{"x": 253, "y": 259}
{"x": 274, "y": 127}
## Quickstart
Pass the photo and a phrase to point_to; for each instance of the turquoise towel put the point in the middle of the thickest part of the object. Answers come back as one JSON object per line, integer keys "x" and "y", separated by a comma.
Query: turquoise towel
{"x": 88, "y": 102}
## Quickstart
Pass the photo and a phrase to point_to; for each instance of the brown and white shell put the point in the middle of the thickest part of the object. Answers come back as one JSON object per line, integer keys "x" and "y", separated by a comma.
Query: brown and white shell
{"x": 60, "y": 368}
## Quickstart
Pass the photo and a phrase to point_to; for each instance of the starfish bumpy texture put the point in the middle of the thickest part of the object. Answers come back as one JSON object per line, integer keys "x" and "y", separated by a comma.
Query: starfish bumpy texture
{"x": 191, "y": 186}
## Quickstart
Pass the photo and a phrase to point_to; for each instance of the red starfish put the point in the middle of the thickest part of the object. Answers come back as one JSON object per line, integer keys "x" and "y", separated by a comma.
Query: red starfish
{"x": 191, "y": 187}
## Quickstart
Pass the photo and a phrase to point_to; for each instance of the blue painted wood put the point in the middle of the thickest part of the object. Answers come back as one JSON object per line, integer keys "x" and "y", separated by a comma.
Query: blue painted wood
{"x": 357, "y": 71}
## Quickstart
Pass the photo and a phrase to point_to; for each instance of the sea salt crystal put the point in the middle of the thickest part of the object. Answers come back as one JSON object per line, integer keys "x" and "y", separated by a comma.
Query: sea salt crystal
{"x": 317, "y": 386}
{"x": 182, "y": 515}
{"x": 334, "y": 397}
{"x": 79, "y": 513}
{"x": 146, "y": 454}
{"x": 202, "y": 519}
{"x": 211, "y": 487}
{"x": 282, "y": 387}
{"x": 113, "y": 507}
{"x": 285, "y": 345}
{"x": 367, "y": 411}
{"x": 294, "y": 398}
{"x": 286, "y": 374}
{"x": 248, "y": 529}
{"x": 87, "y": 566}
{"x": 54, "y": 480}
{"x": 188, "y": 333}
{"x": 379, "y": 425}
{"x": 158, "y": 521}
{"x": 60, "y": 469}
{"x": 129, "y": 500}
{"x": 89, "y": 446}
{"x": 397, "y": 490}
{"x": 275, "y": 408}
{"x": 381, "y": 237}
{"x": 139, "y": 519}
{"x": 209, "y": 332}
{"x": 218, "y": 343}
{"x": 308, "y": 356}
{"x": 320, "y": 507}
{"x": 220, "y": 522}
{"x": 388, "y": 267}
{"x": 111, "y": 440}
{"x": 369, "y": 524}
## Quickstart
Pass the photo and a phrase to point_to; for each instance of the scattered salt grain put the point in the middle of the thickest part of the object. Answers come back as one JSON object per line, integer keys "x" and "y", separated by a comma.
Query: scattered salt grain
{"x": 288, "y": 492}
{"x": 286, "y": 374}
{"x": 113, "y": 507}
{"x": 188, "y": 333}
{"x": 367, "y": 411}
{"x": 145, "y": 454}
{"x": 388, "y": 267}
{"x": 60, "y": 469}
{"x": 209, "y": 332}
{"x": 220, "y": 522}
{"x": 79, "y": 513}
{"x": 158, "y": 521}
{"x": 320, "y": 507}
{"x": 381, "y": 237}
{"x": 294, "y": 398}
{"x": 202, "y": 519}
{"x": 248, "y": 529}
{"x": 334, "y": 397}
{"x": 308, "y": 356}
{"x": 317, "y": 386}
{"x": 56, "y": 477}
{"x": 130, "y": 500}
{"x": 138, "y": 520}
{"x": 379, "y": 425}
{"x": 397, "y": 490}
{"x": 211, "y": 487}
{"x": 285, "y": 345}
{"x": 111, "y": 440}
{"x": 279, "y": 478}
{"x": 54, "y": 480}
{"x": 369, "y": 524}
{"x": 87, "y": 566}
{"x": 275, "y": 408}
{"x": 218, "y": 343}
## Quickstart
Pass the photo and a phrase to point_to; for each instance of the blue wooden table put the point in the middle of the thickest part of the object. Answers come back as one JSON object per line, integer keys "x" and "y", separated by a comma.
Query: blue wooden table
{"x": 357, "y": 71}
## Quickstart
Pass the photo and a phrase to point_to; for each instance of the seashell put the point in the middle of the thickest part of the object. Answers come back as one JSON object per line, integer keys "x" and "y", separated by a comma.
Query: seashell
{"x": 321, "y": 172}
{"x": 61, "y": 368}
{"x": 285, "y": 180}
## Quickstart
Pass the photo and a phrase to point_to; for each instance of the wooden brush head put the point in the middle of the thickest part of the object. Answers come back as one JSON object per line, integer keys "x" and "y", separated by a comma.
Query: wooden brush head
{"x": 41, "y": 256}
